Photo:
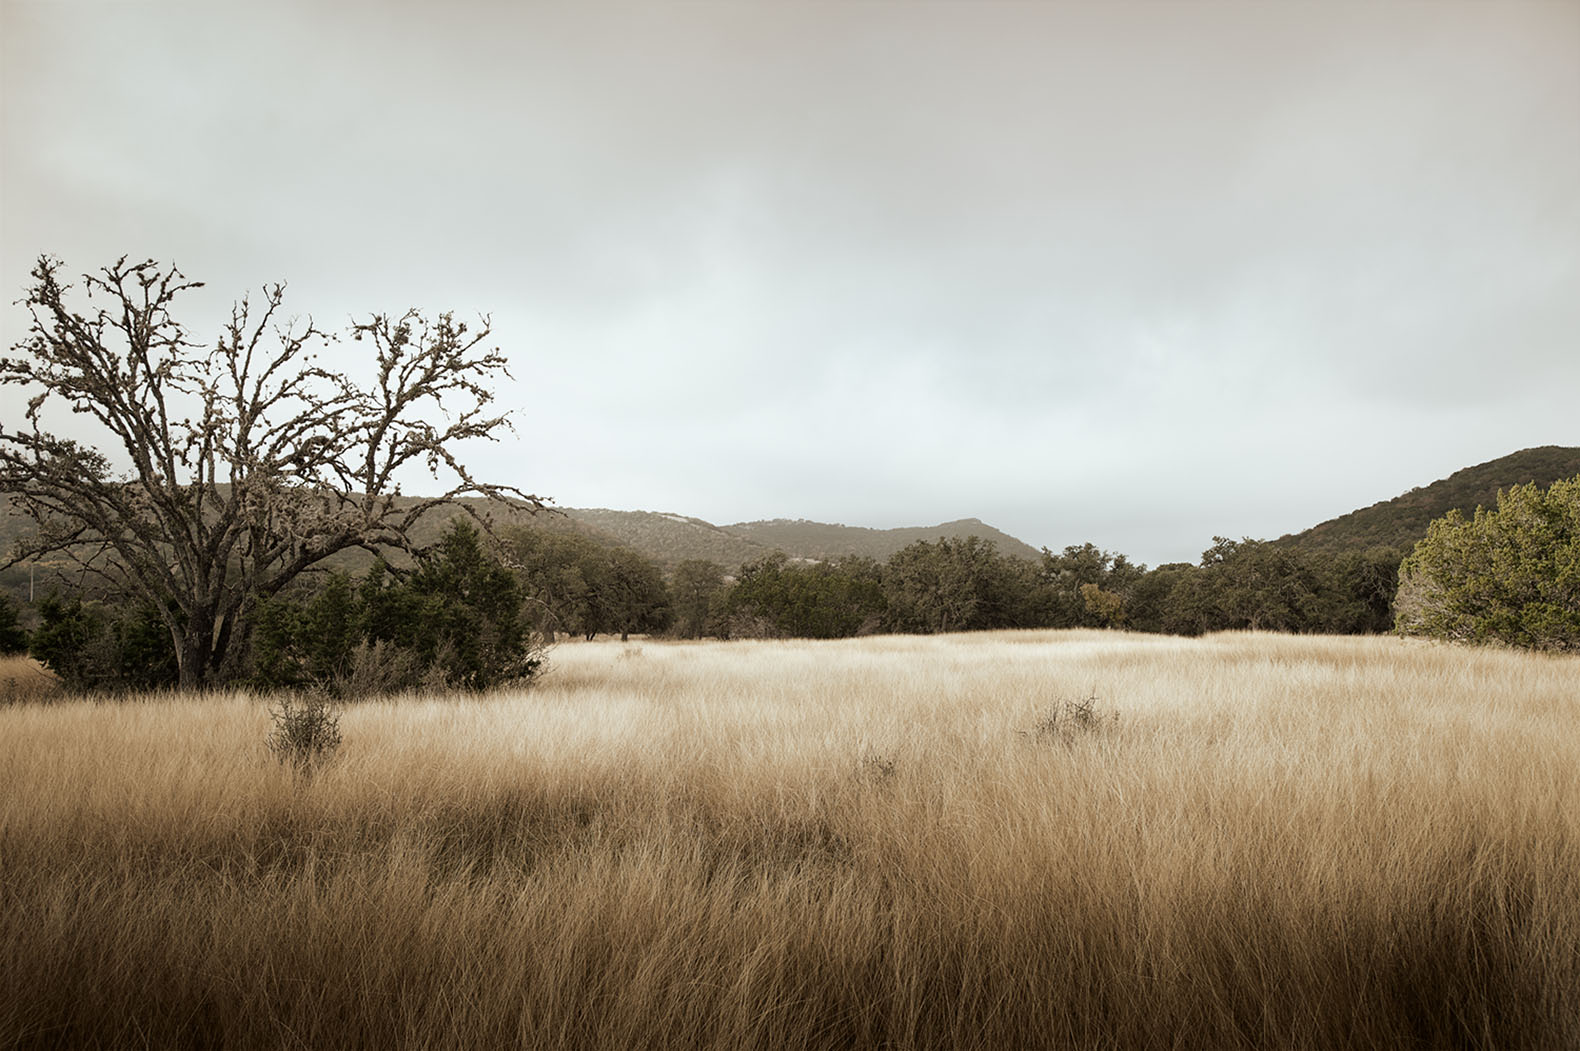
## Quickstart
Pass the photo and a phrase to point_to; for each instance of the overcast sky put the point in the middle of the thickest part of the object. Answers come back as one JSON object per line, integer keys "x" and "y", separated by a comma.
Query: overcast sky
{"x": 1130, "y": 273}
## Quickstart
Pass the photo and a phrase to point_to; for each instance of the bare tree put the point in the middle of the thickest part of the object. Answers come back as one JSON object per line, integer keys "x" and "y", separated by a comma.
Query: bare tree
{"x": 249, "y": 462}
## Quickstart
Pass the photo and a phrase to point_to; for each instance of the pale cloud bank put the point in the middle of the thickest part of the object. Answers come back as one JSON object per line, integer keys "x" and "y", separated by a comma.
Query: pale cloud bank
{"x": 1128, "y": 273}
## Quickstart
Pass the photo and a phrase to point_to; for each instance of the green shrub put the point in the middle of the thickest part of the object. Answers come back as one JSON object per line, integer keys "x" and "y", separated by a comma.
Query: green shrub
{"x": 453, "y": 622}
{"x": 700, "y": 595}
{"x": 13, "y": 640}
{"x": 1510, "y": 575}
{"x": 94, "y": 648}
{"x": 816, "y": 600}
{"x": 587, "y": 587}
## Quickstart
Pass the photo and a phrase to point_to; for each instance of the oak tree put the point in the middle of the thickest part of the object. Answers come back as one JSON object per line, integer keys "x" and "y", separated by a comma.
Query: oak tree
{"x": 215, "y": 475}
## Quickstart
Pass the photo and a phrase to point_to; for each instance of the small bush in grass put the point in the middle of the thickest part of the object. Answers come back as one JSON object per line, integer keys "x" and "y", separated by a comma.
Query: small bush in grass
{"x": 878, "y": 768}
{"x": 306, "y": 730}
{"x": 1068, "y": 719}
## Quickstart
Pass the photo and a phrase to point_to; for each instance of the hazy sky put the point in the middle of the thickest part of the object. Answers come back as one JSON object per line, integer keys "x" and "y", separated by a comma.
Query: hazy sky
{"x": 1130, "y": 273}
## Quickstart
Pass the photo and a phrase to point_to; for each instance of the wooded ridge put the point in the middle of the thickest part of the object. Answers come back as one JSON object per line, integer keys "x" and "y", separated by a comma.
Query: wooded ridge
{"x": 1403, "y": 520}
{"x": 669, "y": 538}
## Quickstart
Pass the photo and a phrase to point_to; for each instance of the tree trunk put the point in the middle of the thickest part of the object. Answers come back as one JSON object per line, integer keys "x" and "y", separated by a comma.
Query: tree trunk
{"x": 195, "y": 651}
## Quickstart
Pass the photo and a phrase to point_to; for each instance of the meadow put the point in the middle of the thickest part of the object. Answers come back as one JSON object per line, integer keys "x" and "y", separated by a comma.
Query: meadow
{"x": 998, "y": 840}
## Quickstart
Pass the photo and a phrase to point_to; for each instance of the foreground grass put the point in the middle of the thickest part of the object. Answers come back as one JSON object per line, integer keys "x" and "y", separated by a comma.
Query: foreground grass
{"x": 1279, "y": 843}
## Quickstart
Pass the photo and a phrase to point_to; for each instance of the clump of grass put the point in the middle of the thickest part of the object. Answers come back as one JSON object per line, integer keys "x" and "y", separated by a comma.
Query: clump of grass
{"x": 306, "y": 730}
{"x": 877, "y": 767}
{"x": 1070, "y": 719}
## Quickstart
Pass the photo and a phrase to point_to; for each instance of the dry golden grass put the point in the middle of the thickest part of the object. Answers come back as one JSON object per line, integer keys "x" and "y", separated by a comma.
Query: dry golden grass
{"x": 1280, "y": 842}
{"x": 24, "y": 679}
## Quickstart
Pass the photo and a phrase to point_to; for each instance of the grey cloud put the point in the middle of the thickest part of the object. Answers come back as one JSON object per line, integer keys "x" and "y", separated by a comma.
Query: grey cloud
{"x": 1109, "y": 269}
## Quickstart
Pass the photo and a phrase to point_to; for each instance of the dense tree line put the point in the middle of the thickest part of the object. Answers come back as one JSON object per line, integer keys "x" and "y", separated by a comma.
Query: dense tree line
{"x": 474, "y": 612}
{"x": 967, "y": 585}
{"x": 806, "y": 599}
{"x": 457, "y": 619}
{"x": 586, "y": 588}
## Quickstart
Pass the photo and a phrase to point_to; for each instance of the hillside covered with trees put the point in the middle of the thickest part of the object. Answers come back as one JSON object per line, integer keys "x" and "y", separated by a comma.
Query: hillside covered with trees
{"x": 800, "y": 538}
{"x": 1403, "y": 520}
{"x": 665, "y": 538}
{"x": 670, "y": 539}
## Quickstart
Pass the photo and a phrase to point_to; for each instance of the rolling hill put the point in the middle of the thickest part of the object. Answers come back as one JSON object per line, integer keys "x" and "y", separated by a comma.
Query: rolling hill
{"x": 1402, "y": 521}
{"x": 666, "y": 538}
{"x": 669, "y": 538}
{"x": 819, "y": 540}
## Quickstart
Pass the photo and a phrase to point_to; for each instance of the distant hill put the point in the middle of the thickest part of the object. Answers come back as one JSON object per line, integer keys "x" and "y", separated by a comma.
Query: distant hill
{"x": 1402, "y": 521}
{"x": 670, "y": 539}
{"x": 819, "y": 540}
{"x": 667, "y": 538}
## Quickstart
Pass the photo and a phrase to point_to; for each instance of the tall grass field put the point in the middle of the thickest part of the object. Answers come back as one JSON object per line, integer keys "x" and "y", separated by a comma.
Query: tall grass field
{"x": 1005, "y": 840}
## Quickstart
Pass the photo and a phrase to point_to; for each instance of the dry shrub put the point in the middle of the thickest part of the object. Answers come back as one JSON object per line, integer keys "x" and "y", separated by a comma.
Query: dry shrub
{"x": 306, "y": 730}
{"x": 1071, "y": 719}
{"x": 378, "y": 669}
